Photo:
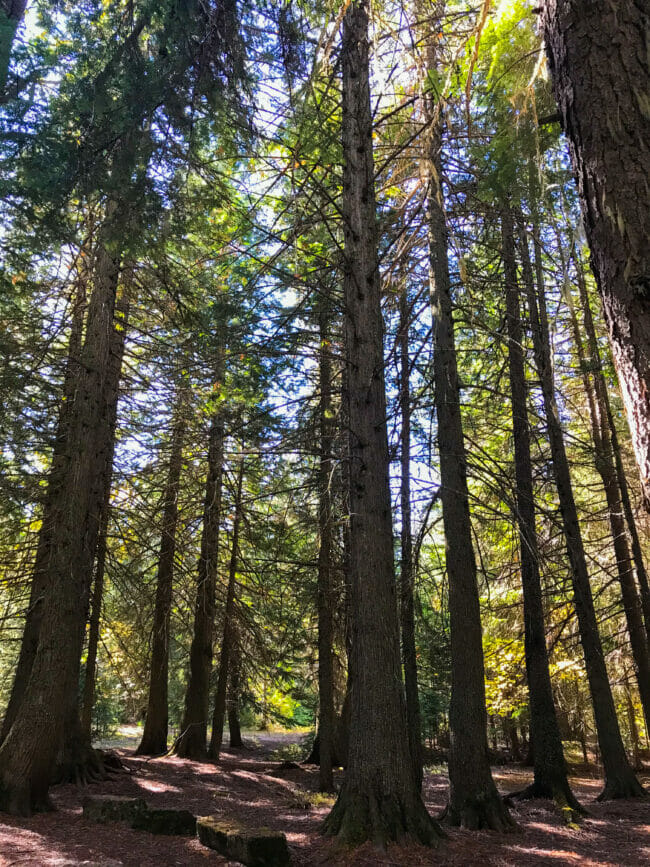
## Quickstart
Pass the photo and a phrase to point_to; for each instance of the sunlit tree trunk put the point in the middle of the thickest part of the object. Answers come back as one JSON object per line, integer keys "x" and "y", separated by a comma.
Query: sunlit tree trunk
{"x": 11, "y": 14}
{"x": 379, "y": 799}
{"x": 598, "y": 57}
{"x": 234, "y": 689}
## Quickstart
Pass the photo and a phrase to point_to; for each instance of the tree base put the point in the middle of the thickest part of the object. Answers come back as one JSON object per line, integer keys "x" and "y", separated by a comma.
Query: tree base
{"x": 83, "y": 765}
{"x": 17, "y": 800}
{"x": 570, "y": 809}
{"x": 628, "y": 787}
{"x": 192, "y": 744}
{"x": 381, "y": 819}
{"x": 485, "y": 811}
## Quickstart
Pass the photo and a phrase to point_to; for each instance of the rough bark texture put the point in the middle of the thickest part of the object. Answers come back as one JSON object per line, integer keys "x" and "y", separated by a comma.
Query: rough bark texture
{"x": 407, "y": 615}
{"x": 88, "y": 696}
{"x": 325, "y": 589}
{"x": 473, "y": 799}
{"x": 154, "y": 736}
{"x": 379, "y": 800}
{"x": 192, "y": 743}
{"x": 232, "y": 703}
{"x": 550, "y": 771}
{"x": 228, "y": 628}
{"x": 606, "y": 466}
{"x": 596, "y": 365}
{"x": 11, "y": 14}
{"x": 29, "y": 751}
{"x": 598, "y": 56}
{"x": 620, "y": 781}
{"x": 56, "y": 477}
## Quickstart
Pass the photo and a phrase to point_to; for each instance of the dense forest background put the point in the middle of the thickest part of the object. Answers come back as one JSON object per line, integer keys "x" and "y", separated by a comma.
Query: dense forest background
{"x": 177, "y": 396}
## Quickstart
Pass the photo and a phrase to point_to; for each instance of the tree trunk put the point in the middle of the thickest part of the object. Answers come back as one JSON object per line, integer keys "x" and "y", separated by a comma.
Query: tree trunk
{"x": 228, "y": 628}
{"x": 473, "y": 798}
{"x": 379, "y": 800}
{"x": 407, "y": 616}
{"x": 598, "y": 59}
{"x": 606, "y": 467}
{"x": 28, "y": 753}
{"x": 154, "y": 737}
{"x": 550, "y": 771}
{"x": 596, "y": 365}
{"x": 56, "y": 476}
{"x": 11, "y": 14}
{"x": 326, "y": 719}
{"x": 620, "y": 781}
{"x": 192, "y": 742}
{"x": 236, "y": 742}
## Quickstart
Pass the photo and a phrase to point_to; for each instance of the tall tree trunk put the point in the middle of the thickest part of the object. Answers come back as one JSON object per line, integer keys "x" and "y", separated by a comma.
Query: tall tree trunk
{"x": 236, "y": 742}
{"x": 600, "y": 385}
{"x": 192, "y": 742}
{"x": 29, "y": 751}
{"x": 550, "y": 771}
{"x": 77, "y": 760}
{"x": 473, "y": 799}
{"x": 228, "y": 627}
{"x": 56, "y": 476}
{"x": 599, "y": 64}
{"x": 326, "y": 721}
{"x": 606, "y": 467}
{"x": 154, "y": 737}
{"x": 379, "y": 800}
{"x": 620, "y": 781}
{"x": 11, "y": 14}
{"x": 407, "y": 615}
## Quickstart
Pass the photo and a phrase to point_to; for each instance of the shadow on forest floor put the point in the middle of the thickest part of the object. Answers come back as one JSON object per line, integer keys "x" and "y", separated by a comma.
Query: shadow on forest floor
{"x": 248, "y": 787}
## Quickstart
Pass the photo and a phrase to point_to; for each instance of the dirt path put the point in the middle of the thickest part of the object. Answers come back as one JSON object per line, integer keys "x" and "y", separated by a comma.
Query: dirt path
{"x": 248, "y": 786}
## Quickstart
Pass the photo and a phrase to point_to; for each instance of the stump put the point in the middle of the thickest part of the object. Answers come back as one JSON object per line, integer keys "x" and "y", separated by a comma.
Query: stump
{"x": 179, "y": 823}
{"x": 111, "y": 808}
{"x": 257, "y": 847}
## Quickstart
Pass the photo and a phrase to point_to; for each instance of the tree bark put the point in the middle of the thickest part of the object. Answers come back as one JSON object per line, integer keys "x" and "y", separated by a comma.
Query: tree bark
{"x": 11, "y": 14}
{"x": 598, "y": 58}
{"x": 620, "y": 781}
{"x": 192, "y": 743}
{"x": 234, "y": 687}
{"x": 550, "y": 771}
{"x": 379, "y": 800}
{"x": 228, "y": 628}
{"x": 156, "y": 726}
{"x": 473, "y": 798}
{"x": 407, "y": 615}
{"x": 326, "y": 720}
{"x": 29, "y": 751}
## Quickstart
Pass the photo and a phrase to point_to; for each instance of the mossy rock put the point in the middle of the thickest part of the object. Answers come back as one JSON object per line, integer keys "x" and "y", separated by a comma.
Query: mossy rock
{"x": 255, "y": 847}
{"x": 112, "y": 808}
{"x": 180, "y": 823}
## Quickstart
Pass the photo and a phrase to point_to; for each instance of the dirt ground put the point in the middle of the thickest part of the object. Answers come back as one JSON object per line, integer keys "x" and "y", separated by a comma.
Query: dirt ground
{"x": 248, "y": 787}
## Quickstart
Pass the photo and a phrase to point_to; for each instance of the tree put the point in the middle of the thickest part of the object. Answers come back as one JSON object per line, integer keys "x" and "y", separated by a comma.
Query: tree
{"x": 598, "y": 61}
{"x": 11, "y": 14}
{"x": 379, "y": 799}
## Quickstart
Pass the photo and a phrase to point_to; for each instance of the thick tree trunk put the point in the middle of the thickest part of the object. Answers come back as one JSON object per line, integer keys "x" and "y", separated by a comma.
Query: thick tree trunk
{"x": 326, "y": 719}
{"x": 11, "y": 14}
{"x": 620, "y": 781}
{"x": 407, "y": 615}
{"x": 379, "y": 800}
{"x": 56, "y": 477}
{"x": 550, "y": 771}
{"x": 606, "y": 467}
{"x": 154, "y": 737}
{"x": 598, "y": 56}
{"x": 596, "y": 365}
{"x": 228, "y": 628}
{"x": 28, "y": 753}
{"x": 192, "y": 742}
{"x": 473, "y": 799}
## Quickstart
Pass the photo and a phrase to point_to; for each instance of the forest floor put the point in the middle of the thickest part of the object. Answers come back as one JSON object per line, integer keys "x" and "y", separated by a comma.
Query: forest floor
{"x": 250, "y": 787}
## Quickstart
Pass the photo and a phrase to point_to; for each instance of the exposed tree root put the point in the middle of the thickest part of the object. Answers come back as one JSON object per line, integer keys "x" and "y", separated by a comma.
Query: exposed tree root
{"x": 617, "y": 787}
{"x": 83, "y": 765}
{"x": 570, "y": 809}
{"x": 486, "y": 811}
{"x": 381, "y": 819}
